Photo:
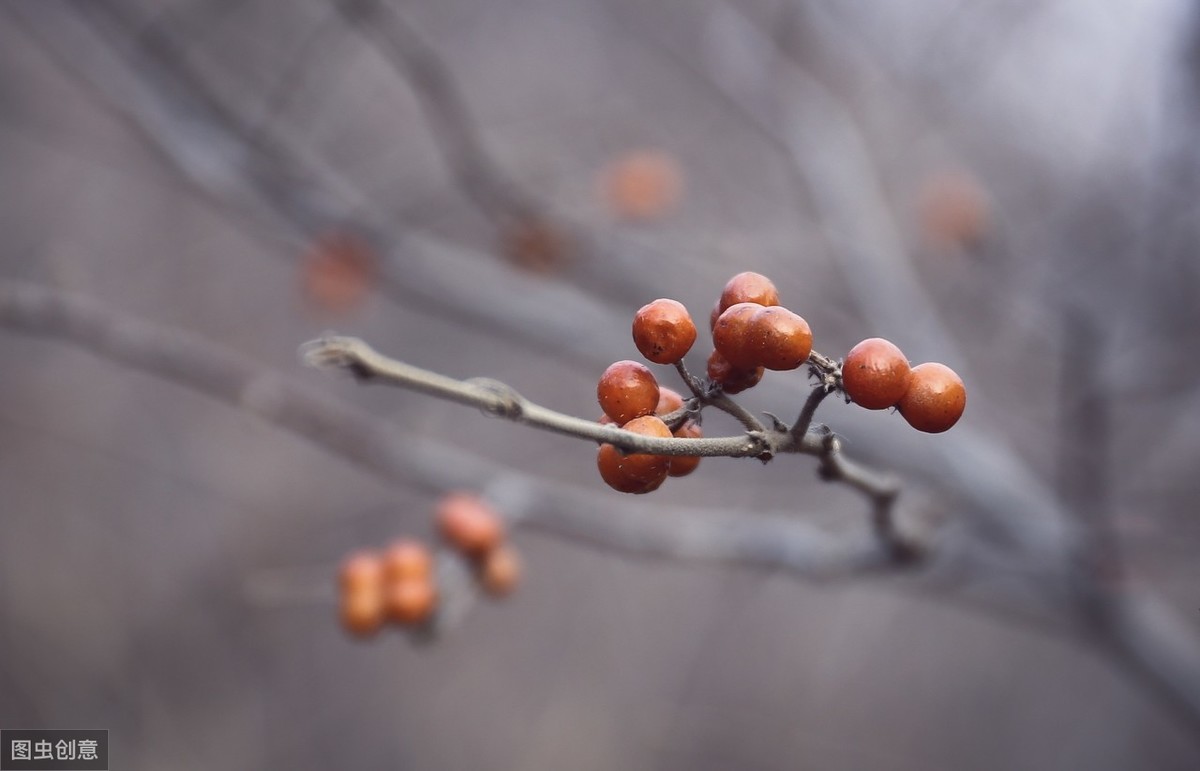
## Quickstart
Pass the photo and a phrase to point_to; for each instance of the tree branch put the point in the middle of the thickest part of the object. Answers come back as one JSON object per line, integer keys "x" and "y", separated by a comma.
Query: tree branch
{"x": 500, "y": 400}
{"x": 775, "y": 541}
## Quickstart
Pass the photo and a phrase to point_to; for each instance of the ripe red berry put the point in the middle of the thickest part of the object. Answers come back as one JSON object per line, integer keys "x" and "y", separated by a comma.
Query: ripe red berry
{"x": 777, "y": 339}
{"x": 627, "y": 390}
{"x": 635, "y": 473}
{"x": 749, "y": 287}
{"x": 406, "y": 560}
{"x": 935, "y": 399}
{"x": 469, "y": 523}
{"x": 669, "y": 400}
{"x": 875, "y": 374}
{"x": 500, "y": 571}
{"x": 712, "y": 317}
{"x": 731, "y": 379}
{"x": 411, "y": 601}
{"x": 729, "y": 336}
{"x": 663, "y": 331}
{"x": 682, "y": 465}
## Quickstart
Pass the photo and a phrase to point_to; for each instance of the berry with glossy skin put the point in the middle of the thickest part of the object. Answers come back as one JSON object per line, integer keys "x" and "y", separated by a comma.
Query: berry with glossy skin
{"x": 875, "y": 374}
{"x": 748, "y": 287}
{"x": 731, "y": 379}
{"x": 361, "y": 571}
{"x": 362, "y": 611}
{"x": 935, "y": 399}
{"x": 730, "y": 335}
{"x": 627, "y": 390}
{"x": 778, "y": 339}
{"x": 682, "y": 465}
{"x": 469, "y": 523}
{"x": 406, "y": 560}
{"x": 663, "y": 331}
{"x": 635, "y": 473}
{"x": 410, "y": 602}
{"x": 500, "y": 571}
{"x": 716, "y": 314}
{"x": 669, "y": 400}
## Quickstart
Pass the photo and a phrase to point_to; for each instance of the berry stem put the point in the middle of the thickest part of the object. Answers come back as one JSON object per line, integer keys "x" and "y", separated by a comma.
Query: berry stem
{"x": 804, "y": 421}
{"x": 717, "y": 398}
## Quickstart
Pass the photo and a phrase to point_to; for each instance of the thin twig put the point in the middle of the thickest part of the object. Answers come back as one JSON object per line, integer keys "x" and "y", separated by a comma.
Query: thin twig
{"x": 500, "y": 400}
{"x": 710, "y": 394}
{"x": 805, "y": 419}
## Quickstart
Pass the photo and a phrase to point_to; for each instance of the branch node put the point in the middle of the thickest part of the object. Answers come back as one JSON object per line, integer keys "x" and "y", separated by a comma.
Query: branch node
{"x": 507, "y": 403}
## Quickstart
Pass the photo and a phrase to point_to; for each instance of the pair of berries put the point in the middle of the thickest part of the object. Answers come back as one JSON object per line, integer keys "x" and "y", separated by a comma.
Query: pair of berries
{"x": 397, "y": 584}
{"x": 876, "y": 375}
{"x": 752, "y": 333}
{"x": 394, "y": 585}
{"x": 474, "y": 528}
{"x": 632, "y": 399}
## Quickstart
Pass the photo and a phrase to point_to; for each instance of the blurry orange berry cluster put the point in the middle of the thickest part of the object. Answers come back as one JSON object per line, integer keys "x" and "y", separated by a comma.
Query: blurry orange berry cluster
{"x": 398, "y": 584}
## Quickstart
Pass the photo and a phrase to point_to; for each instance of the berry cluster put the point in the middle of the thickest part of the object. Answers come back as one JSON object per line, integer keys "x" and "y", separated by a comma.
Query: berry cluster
{"x": 397, "y": 585}
{"x": 752, "y": 333}
{"x": 632, "y": 399}
{"x": 394, "y": 585}
{"x": 876, "y": 375}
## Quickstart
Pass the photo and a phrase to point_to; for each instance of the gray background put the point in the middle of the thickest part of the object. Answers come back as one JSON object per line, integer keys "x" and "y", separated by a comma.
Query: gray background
{"x": 137, "y": 516}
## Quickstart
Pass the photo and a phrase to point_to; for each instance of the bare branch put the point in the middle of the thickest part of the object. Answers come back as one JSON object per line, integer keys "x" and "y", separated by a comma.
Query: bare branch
{"x": 500, "y": 400}
{"x": 775, "y": 540}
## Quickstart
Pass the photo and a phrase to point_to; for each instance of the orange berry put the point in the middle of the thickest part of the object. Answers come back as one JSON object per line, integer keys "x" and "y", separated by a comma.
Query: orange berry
{"x": 732, "y": 379}
{"x": 875, "y": 374}
{"x": 627, "y": 390}
{"x": 716, "y": 314}
{"x": 935, "y": 399}
{"x": 406, "y": 560}
{"x": 729, "y": 336}
{"x": 778, "y": 339}
{"x": 663, "y": 331}
{"x": 669, "y": 400}
{"x": 338, "y": 271}
{"x": 500, "y": 571}
{"x": 954, "y": 211}
{"x": 362, "y": 611}
{"x": 635, "y": 473}
{"x": 682, "y": 465}
{"x": 469, "y": 523}
{"x": 411, "y": 601}
{"x": 748, "y": 287}
{"x": 361, "y": 571}
{"x": 643, "y": 185}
